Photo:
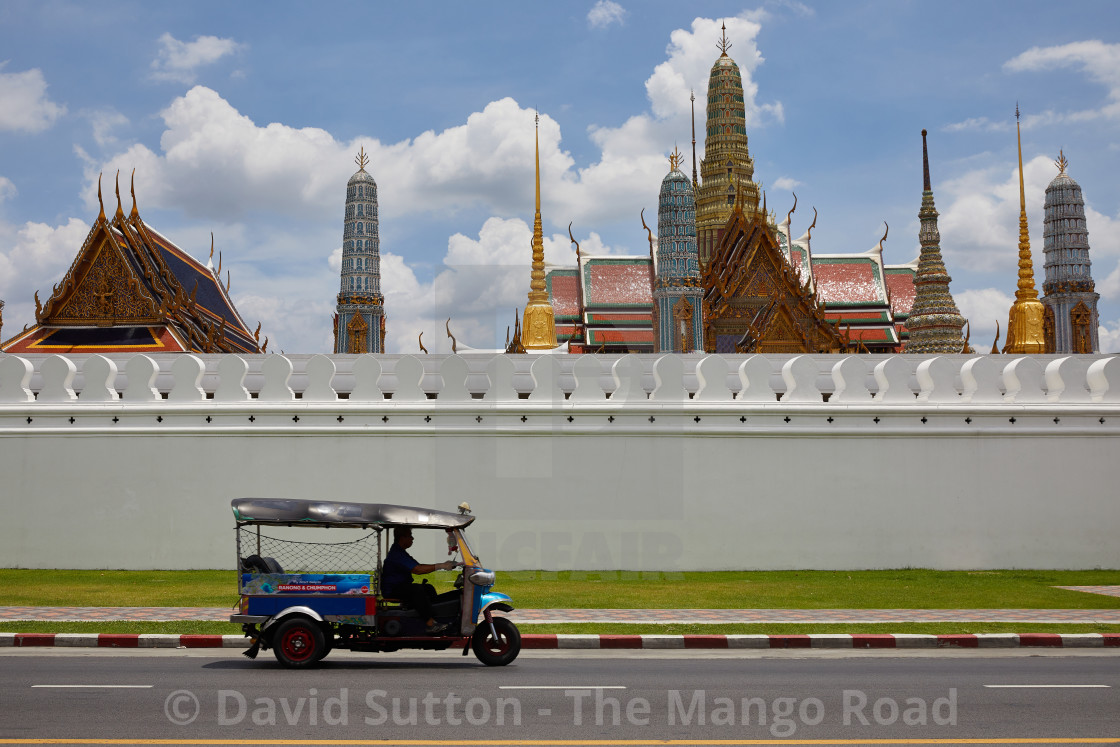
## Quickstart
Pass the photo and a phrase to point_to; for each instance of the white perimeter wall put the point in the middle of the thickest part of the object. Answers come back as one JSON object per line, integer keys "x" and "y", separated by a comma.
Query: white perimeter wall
{"x": 1011, "y": 467}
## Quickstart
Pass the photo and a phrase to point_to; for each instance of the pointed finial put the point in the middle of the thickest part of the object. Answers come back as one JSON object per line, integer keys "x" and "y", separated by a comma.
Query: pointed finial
{"x": 1019, "y": 141}
{"x": 925, "y": 165}
{"x": 120, "y": 210}
{"x": 573, "y": 238}
{"x": 789, "y": 215}
{"x": 454, "y": 343}
{"x": 537, "y": 126}
{"x": 211, "y": 245}
{"x": 692, "y": 98}
{"x": 132, "y": 187}
{"x": 362, "y": 159}
{"x": 723, "y": 44}
{"x": 1061, "y": 163}
{"x": 675, "y": 159}
{"x": 100, "y": 202}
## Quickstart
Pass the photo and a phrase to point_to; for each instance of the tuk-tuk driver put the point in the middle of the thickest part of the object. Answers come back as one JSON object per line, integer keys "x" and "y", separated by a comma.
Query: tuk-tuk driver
{"x": 396, "y": 578}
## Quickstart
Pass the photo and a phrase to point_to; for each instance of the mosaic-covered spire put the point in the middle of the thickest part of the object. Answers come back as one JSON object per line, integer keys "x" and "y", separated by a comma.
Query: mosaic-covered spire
{"x": 359, "y": 322}
{"x": 727, "y": 160}
{"x": 935, "y": 323}
{"x": 1026, "y": 324}
{"x": 538, "y": 330}
{"x": 677, "y": 294}
{"x": 1068, "y": 290}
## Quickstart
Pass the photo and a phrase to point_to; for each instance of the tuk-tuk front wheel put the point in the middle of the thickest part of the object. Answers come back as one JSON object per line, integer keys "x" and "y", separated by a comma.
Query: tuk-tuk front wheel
{"x": 500, "y": 651}
{"x": 298, "y": 642}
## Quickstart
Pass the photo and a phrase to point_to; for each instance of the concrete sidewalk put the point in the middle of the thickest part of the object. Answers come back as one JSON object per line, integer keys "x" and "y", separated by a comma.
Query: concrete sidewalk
{"x": 632, "y": 616}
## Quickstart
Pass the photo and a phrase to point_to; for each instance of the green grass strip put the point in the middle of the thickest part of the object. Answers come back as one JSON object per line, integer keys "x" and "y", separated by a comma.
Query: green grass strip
{"x": 221, "y": 628}
{"x": 889, "y": 589}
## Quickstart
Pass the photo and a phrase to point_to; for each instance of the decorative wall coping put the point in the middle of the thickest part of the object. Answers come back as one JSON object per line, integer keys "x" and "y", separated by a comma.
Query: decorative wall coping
{"x": 631, "y": 393}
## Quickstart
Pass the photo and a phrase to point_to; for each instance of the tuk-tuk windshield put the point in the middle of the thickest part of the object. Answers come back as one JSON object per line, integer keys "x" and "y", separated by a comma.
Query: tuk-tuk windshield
{"x": 469, "y": 558}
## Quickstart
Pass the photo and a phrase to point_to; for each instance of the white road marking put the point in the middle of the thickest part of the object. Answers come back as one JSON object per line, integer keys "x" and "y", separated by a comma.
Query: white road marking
{"x": 562, "y": 687}
{"x": 1047, "y": 685}
{"x": 96, "y": 686}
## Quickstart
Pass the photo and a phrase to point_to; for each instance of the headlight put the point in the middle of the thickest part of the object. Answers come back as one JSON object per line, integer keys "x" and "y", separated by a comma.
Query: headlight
{"x": 482, "y": 578}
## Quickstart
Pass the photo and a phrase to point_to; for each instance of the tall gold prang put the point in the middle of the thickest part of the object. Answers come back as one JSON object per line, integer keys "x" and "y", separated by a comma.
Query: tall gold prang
{"x": 1026, "y": 331}
{"x": 538, "y": 330}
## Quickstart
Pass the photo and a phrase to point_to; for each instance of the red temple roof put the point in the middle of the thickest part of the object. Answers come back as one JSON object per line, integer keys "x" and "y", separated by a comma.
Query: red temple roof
{"x": 849, "y": 280}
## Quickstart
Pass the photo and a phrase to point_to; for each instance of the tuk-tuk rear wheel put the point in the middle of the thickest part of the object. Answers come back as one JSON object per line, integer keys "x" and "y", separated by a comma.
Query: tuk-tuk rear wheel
{"x": 496, "y": 653}
{"x": 298, "y": 642}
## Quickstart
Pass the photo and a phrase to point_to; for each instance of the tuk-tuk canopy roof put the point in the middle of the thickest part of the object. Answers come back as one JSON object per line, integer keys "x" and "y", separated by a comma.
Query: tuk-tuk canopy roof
{"x": 283, "y": 511}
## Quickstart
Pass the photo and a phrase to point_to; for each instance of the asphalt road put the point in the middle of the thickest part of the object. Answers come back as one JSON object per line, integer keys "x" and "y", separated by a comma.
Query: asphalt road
{"x": 577, "y": 697}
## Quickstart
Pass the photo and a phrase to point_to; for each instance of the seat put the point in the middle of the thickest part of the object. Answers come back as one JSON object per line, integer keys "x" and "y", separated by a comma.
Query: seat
{"x": 257, "y": 564}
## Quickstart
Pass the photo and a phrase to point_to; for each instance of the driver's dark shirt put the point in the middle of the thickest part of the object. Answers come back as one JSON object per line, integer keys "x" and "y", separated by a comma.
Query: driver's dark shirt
{"x": 397, "y": 570}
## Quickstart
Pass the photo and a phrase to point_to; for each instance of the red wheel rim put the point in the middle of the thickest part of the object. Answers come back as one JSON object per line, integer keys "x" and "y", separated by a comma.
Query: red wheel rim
{"x": 298, "y": 644}
{"x": 498, "y": 645}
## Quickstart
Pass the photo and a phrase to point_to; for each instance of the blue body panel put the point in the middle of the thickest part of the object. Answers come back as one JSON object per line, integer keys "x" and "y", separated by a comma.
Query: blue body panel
{"x": 274, "y": 603}
{"x": 487, "y": 599}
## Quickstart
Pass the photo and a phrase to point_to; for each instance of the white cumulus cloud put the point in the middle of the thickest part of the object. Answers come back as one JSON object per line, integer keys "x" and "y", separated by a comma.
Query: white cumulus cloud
{"x": 179, "y": 61}
{"x": 979, "y": 219}
{"x": 24, "y": 106}
{"x": 34, "y": 257}
{"x": 220, "y": 168}
{"x": 984, "y": 308}
{"x": 1108, "y": 335}
{"x": 484, "y": 281}
{"x": 604, "y": 13}
{"x": 1099, "y": 61}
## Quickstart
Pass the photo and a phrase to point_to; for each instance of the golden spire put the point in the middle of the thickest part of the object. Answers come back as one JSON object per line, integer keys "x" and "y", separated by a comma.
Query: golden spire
{"x": 1061, "y": 163}
{"x": 1026, "y": 320}
{"x": 539, "y": 327}
{"x": 362, "y": 159}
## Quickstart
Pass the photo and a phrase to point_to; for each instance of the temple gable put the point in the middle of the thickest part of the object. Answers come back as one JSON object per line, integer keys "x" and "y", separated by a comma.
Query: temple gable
{"x": 102, "y": 289}
{"x": 754, "y": 301}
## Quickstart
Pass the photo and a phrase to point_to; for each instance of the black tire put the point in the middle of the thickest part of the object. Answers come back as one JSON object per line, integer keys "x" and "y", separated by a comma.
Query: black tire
{"x": 298, "y": 643}
{"x": 328, "y": 640}
{"x": 500, "y": 652}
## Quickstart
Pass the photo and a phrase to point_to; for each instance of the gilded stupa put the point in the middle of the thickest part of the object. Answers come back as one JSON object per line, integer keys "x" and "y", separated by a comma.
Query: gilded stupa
{"x": 538, "y": 329}
{"x": 935, "y": 323}
{"x": 1026, "y": 323}
{"x": 727, "y": 162}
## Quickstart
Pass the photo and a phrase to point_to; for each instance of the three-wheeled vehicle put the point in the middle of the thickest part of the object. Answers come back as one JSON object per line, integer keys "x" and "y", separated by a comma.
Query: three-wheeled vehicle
{"x": 302, "y": 598}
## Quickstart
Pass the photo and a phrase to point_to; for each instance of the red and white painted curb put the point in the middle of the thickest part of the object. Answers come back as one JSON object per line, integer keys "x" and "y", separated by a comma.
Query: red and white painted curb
{"x": 539, "y": 641}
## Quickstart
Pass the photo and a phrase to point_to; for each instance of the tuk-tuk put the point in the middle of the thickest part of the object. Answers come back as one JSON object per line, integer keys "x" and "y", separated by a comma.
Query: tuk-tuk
{"x": 303, "y": 596}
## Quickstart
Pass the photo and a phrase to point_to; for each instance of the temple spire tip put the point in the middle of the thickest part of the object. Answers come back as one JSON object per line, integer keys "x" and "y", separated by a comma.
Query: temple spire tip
{"x": 925, "y": 165}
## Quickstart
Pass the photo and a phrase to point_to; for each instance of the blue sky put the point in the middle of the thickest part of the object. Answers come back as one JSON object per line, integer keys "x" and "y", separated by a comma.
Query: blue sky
{"x": 243, "y": 119}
